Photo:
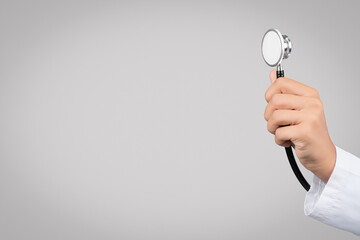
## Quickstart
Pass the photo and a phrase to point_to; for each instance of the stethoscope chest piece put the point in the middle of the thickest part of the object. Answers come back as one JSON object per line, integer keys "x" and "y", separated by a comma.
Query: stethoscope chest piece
{"x": 275, "y": 47}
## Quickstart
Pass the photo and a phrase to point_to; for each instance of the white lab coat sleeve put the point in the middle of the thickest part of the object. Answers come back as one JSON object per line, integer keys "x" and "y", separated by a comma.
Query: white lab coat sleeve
{"x": 337, "y": 203}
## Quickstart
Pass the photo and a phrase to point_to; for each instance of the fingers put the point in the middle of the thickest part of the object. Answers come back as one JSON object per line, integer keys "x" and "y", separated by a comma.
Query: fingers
{"x": 273, "y": 75}
{"x": 286, "y": 102}
{"x": 291, "y": 106}
{"x": 281, "y": 118}
{"x": 288, "y": 86}
{"x": 284, "y": 136}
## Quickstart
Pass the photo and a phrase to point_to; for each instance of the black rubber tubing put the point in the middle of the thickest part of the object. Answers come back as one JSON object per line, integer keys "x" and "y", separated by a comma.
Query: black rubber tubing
{"x": 290, "y": 154}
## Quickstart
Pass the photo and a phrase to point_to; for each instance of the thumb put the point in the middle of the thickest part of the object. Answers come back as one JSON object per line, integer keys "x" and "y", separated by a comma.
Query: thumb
{"x": 273, "y": 76}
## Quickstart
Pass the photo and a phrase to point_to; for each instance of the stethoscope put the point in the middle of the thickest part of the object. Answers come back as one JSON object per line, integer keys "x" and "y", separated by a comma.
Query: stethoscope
{"x": 276, "y": 47}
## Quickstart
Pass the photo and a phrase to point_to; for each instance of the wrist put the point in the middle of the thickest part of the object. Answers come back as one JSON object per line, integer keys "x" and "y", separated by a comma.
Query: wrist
{"x": 328, "y": 164}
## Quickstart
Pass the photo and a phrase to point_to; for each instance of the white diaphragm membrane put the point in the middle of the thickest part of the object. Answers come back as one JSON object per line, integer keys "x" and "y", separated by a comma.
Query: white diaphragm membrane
{"x": 272, "y": 47}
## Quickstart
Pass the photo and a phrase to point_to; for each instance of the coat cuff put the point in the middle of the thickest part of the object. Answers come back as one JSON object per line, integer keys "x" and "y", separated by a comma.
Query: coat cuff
{"x": 335, "y": 203}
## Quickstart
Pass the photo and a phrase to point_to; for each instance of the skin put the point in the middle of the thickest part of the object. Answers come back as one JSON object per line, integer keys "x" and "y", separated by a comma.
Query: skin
{"x": 295, "y": 115}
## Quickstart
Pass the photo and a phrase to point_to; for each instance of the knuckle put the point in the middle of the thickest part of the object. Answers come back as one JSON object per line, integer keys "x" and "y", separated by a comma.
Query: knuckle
{"x": 317, "y": 103}
{"x": 278, "y": 133}
{"x": 266, "y": 117}
{"x": 267, "y": 96}
{"x": 275, "y": 99}
{"x": 279, "y": 140}
{"x": 313, "y": 119}
{"x": 270, "y": 127}
{"x": 315, "y": 93}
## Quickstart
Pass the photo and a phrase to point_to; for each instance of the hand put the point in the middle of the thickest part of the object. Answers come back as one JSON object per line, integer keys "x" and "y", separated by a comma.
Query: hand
{"x": 295, "y": 115}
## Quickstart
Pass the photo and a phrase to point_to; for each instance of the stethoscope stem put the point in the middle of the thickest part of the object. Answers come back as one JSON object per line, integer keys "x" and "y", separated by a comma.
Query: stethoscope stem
{"x": 279, "y": 71}
{"x": 289, "y": 152}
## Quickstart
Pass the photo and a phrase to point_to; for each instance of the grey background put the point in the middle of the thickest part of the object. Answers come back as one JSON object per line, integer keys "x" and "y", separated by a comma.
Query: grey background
{"x": 144, "y": 119}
